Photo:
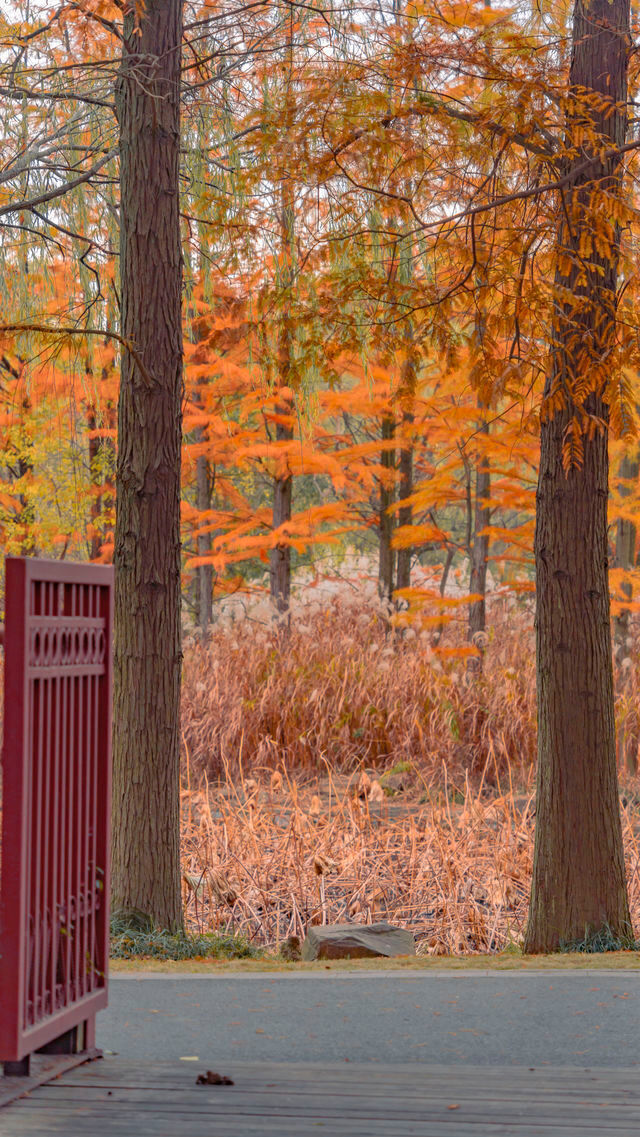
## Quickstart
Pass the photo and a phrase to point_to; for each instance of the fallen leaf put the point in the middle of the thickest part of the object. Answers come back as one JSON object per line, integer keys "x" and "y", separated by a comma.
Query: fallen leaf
{"x": 323, "y": 864}
{"x": 211, "y": 1078}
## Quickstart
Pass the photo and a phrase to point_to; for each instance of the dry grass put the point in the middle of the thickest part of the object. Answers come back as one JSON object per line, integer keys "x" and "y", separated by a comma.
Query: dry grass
{"x": 339, "y": 693}
{"x": 279, "y": 831}
{"x": 266, "y": 857}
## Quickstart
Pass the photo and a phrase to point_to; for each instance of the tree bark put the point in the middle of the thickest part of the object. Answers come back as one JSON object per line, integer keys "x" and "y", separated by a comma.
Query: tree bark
{"x": 479, "y": 556}
{"x": 147, "y": 655}
{"x": 579, "y": 886}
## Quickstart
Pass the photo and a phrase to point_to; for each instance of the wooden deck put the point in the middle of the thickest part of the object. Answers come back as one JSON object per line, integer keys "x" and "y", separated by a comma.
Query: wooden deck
{"x": 114, "y": 1097}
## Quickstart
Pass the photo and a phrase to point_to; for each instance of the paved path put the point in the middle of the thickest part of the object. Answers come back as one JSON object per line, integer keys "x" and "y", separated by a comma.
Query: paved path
{"x": 579, "y": 1018}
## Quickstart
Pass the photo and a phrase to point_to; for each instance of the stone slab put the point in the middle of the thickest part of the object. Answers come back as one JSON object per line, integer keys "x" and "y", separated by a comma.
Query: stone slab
{"x": 357, "y": 941}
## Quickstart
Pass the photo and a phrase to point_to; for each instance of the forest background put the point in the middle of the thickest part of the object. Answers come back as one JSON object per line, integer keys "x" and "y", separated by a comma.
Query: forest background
{"x": 369, "y": 291}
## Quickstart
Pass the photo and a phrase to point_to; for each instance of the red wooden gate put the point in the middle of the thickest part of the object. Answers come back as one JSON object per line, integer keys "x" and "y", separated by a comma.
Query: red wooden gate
{"x": 54, "y": 894}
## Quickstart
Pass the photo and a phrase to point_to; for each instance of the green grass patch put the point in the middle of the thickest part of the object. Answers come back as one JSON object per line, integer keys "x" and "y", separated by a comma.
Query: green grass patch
{"x": 604, "y": 940}
{"x": 129, "y": 943}
{"x": 399, "y": 768}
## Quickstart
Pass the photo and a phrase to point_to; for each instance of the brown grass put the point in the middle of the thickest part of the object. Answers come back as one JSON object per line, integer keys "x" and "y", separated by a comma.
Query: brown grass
{"x": 340, "y": 693}
{"x": 281, "y": 828}
{"x": 266, "y": 857}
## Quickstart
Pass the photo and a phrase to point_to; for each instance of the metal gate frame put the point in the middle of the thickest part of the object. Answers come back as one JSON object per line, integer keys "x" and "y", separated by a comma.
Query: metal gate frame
{"x": 54, "y": 876}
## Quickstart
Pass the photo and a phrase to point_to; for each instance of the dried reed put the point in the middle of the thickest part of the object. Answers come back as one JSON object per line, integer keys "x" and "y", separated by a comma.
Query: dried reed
{"x": 265, "y": 857}
{"x": 340, "y": 690}
{"x": 282, "y": 828}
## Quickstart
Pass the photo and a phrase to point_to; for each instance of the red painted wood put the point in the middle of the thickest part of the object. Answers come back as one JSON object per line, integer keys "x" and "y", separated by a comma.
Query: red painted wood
{"x": 54, "y": 892}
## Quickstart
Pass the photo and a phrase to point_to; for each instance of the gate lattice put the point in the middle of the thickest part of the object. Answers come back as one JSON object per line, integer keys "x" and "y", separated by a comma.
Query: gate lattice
{"x": 54, "y": 894}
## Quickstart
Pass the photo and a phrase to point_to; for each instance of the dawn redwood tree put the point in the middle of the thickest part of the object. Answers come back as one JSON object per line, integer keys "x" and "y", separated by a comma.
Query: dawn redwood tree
{"x": 147, "y": 659}
{"x": 280, "y": 554}
{"x": 579, "y": 884}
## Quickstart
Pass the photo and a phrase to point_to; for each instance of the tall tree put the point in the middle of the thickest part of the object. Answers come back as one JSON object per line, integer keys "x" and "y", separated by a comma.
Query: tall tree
{"x": 578, "y": 874}
{"x": 280, "y": 554}
{"x": 147, "y": 659}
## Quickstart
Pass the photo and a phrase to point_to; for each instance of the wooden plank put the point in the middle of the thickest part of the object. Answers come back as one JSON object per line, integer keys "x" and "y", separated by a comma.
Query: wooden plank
{"x": 114, "y": 1099}
{"x": 44, "y": 1067}
{"x": 28, "y": 1125}
{"x": 224, "y": 1098}
{"x": 369, "y": 1072}
{"x": 264, "y": 1094}
{"x": 371, "y": 1079}
{"x": 106, "y": 1114}
{"x": 392, "y": 1114}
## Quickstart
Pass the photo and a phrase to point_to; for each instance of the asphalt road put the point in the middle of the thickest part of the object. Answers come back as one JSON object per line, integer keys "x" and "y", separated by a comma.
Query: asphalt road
{"x": 581, "y": 1018}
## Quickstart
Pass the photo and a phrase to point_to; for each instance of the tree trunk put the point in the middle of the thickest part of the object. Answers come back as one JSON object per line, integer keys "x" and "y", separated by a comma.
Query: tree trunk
{"x": 625, "y": 556}
{"x": 147, "y": 657}
{"x": 280, "y": 555}
{"x": 28, "y": 546}
{"x": 479, "y": 555}
{"x": 626, "y": 535}
{"x": 579, "y": 887}
{"x": 96, "y": 481}
{"x": 205, "y": 545}
{"x": 22, "y": 468}
{"x": 385, "y": 523}
{"x": 405, "y": 463}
